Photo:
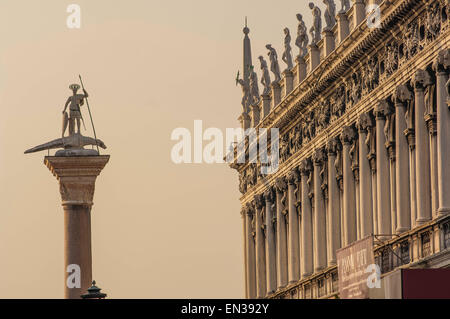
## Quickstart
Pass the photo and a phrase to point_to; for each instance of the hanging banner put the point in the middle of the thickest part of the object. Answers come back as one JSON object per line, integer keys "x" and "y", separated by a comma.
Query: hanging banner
{"x": 352, "y": 262}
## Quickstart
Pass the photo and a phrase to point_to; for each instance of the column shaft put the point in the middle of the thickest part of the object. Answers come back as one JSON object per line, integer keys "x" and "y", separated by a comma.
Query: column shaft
{"x": 260, "y": 255}
{"x": 383, "y": 181}
{"x": 422, "y": 160}
{"x": 271, "y": 262}
{"x": 320, "y": 238}
{"x": 294, "y": 258}
{"x": 402, "y": 171}
{"x": 365, "y": 184}
{"x": 251, "y": 257}
{"x": 77, "y": 252}
{"x": 282, "y": 268}
{"x": 307, "y": 235}
{"x": 443, "y": 142}
{"x": 334, "y": 212}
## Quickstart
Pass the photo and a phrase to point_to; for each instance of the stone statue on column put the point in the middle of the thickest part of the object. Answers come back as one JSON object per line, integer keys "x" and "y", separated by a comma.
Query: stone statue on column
{"x": 287, "y": 55}
{"x": 316, "y": 29}
{"x": 302, "y": 36}
{"x": 73, "y": 144}
{"x": 330, "y": 14}
{"x": 345, "y": 6}
{"x": 254, "y": 89}
{"x": 265, "y": 79}
{"x": 274, "y": 66}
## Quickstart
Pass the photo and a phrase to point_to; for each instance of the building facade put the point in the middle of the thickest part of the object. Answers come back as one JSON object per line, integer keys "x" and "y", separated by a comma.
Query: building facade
{"x": 363, "y": 114}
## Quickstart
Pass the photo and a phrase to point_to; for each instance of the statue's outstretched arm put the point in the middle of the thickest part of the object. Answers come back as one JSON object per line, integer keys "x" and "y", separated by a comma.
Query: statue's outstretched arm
{"x": 85, "y": 93}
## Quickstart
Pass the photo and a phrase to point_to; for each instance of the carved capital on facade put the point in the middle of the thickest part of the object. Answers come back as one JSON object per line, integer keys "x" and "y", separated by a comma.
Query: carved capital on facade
{"x": 280, "y": 185}
{"x": 430, "y": 119}
{"x": 402, "y": 96}
{"x": 259, "y": 201}
{"x": 269, "y": 195}
{"x": 383, "y": 109}
{"x": 333, "y": 146}
{"x": 250, "y": 209}
{"x": 292, "y": 177}
{"x": 442, "y": 62}
{"x": 348, "y": 135}
{"x": 365, "y": 122}
{"x": 420, "y": 80}
{"x": 319, "y": 156}
{"x": 305, "y": 166}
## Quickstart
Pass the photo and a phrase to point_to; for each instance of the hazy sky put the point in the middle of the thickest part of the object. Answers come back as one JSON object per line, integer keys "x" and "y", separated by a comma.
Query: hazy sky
{"x": 159, "y": 230}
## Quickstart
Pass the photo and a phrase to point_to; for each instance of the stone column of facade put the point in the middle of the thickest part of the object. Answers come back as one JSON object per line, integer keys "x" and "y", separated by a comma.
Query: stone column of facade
{"x": 343, "y": 26}
{"x": 371, "y": 156}
{"x": 423, "y": 187}
{"x": 348, "y": 137}
{"x": 314, "y": 57}
{"x": 293, "y": 244}
{"x": 359, "y": 12}
{"x": 255, "y": 115}
{"x": 410, "y": 137}
{"x": 365, "y": 123}
{"x": 250, "y": 253}
{"x": 282, "y": 266}
{"x": 430, "y": 120}
{"x": 334, "y": 207}
{"x": 382, "y": 110}
{"x": 328, "y": 42}
{"x": 389, "y": 133}
{"x": 276, "y": 94}
{"x": 244, "y": 236}
{"x": 402, "y": 96}
{"x": 271, "y": 262}
{"x": 441, "y": 66}
{"x": 260, "y": 247}
{"x": 354, "y": 158}
{"x": 265, "y": 105}
{"x": 288, "y": 77}
{"x": 307, "y": 223}
{"x": 301, "y": 69}
{"x": 320, "y": 226}
{"x": 77, "y": 177}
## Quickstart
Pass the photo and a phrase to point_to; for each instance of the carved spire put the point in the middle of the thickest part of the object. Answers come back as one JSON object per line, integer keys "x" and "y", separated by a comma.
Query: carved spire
{"x": 247, "y": 55}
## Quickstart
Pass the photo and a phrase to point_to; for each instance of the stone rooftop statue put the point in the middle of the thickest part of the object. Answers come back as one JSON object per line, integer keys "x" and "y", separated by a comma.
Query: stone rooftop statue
{"x": 330, "y": 14}
{"x": 72, "y": 145}
{"x": 302, "y": 36}
{"x": 274, "y": 66}
{"x": 316, "y": 29}
{"x": 265, "y": 78}
{"x": 287, "y": 55}
{"x": 345, "y": 6}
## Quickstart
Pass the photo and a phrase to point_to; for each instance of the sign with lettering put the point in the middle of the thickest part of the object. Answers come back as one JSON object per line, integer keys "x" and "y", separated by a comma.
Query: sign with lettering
{"x": 352, "y": 262}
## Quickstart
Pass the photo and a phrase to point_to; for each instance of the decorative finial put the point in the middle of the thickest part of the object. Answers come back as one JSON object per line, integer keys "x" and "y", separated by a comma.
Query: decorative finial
{"x": 246, "y": 29}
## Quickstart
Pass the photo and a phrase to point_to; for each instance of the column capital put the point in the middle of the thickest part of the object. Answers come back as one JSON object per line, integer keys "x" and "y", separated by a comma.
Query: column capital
{"x": 383, "y": 109}
{"x": 348, "y": 135}
{"x": 76, "y": 175}
{"x": 420, "y": 79}
{"x": 402, "y": 95}
{"x": 365, "y": 122}
{"x": 442, "y": 61}
{"x": 292, "y": 177}
{"x": 259, "y": 201}
{"x": 305, "y": 166}
{"x": 319, "y": 156}
{"x": 280, "y": 185}
{"x": 250, "y": 208}
{"x": 269, "y": 195}
{"x": 333, "y": 146}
